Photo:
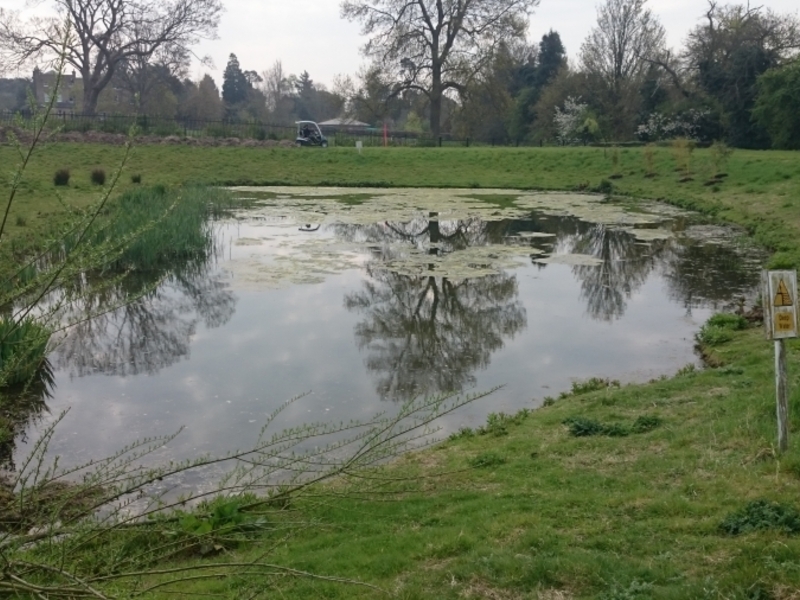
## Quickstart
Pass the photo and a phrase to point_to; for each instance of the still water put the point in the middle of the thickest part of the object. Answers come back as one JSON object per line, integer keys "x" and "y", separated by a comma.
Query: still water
{"x": 363, "y": 300}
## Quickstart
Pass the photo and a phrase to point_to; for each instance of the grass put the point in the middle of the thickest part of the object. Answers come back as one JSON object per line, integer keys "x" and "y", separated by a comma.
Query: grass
{"x": 760, "y": 191}
{"x": 694, "y": 502}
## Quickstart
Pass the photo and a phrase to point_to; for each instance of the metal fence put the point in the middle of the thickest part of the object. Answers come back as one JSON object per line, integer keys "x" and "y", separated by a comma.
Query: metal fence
{"x": 68, "y": 121}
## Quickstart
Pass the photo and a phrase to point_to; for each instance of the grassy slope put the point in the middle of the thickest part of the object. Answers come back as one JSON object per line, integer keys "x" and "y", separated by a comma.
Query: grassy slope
{"x": 761, "y": 192}
{"x": 562, "y": 517}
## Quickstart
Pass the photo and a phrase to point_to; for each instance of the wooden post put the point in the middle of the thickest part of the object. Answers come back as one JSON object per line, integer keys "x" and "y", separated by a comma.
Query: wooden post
{"x": 782, "y": 393}
{"x": 781, "y": 322}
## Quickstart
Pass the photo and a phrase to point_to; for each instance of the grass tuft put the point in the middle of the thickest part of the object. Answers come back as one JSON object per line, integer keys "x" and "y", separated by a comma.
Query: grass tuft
{"x": 98, "y": 176}
{"x": 61, "y": 177}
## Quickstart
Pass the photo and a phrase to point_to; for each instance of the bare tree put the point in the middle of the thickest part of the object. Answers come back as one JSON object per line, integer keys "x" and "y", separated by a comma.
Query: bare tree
{"x": 615, "y": 57}
{"x": 435, "y": 46}
{"x": 105, "y": 34}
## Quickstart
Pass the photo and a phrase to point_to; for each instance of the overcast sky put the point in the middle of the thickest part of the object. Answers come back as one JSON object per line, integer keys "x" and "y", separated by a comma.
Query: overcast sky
{"x": 310, "y": 35}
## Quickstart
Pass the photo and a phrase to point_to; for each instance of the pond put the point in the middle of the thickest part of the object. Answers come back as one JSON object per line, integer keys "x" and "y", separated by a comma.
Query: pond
{"x": 362, "y": 299}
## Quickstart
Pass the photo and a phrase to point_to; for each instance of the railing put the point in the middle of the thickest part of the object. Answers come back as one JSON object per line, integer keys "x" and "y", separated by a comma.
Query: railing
{"x": 68, "y": 121}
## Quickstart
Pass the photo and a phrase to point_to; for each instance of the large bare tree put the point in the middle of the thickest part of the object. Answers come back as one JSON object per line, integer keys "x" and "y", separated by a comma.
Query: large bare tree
{"x": 435, "y": 46}
{"x": 102, "y": 35}
{"x": 615, "y": 56}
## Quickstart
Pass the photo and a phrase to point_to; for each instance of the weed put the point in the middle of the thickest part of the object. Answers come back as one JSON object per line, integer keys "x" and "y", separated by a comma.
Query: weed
{"x": 583, "y": 427}
{"x": 61, "y": 177}
{"x": 98, "y": 176}
{"x": 592, "y": 385}
{"x": 497, "y": 423}
{"x": 719, "y": 329}
{"x": 136, "y": 178}
{"x": 728, "y": 321}
{"x": 687, "y": 371}
{"x": 21, "y": 221}
{"x": 761, "y": 515}
{"x": 713, "y": 335}
{"x": 487, "y": 459}
{"x": 645, "y": 423}
{"x": 635, "y": 591}
{"x": 548, "y": 401}
{"x": 464, "y": 432}
{"x": 23, "y": 347}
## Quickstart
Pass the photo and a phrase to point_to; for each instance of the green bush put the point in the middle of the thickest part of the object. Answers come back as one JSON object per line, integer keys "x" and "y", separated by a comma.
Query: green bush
{"x": 98, "y": 176}
{"x": 583, "y": 427}
{"x": 728, "y": 321}
{"x": 61, "y": 177}
{"x": 761, "y": 515}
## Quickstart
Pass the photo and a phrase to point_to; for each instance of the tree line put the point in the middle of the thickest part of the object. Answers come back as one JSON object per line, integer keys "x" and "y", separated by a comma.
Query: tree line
{"x": 441, "y": 66}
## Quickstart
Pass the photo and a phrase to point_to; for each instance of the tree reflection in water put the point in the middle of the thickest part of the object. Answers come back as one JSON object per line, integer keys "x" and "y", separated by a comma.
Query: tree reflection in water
{"x": 152, "y": 332}
{"x": 626, "y": 265}
{"x": 20, "y": 407}
{"x": 428, "y": 333}
{"x": 711, "y": 274}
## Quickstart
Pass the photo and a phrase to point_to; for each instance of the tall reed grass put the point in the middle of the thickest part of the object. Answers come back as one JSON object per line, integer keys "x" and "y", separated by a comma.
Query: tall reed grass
{"x": 160, "y": 226}
{"x": 23, "y": 349}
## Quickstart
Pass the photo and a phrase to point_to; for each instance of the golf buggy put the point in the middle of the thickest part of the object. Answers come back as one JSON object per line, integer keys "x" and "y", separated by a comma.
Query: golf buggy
{"x": 309, "y": 134}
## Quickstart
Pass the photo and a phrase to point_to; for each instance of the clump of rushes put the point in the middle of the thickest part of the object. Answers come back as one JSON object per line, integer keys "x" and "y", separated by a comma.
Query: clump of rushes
{"x": 98, "y": 176}
{"x": 61, "y": 177}
{"x": 23, "y": 348}
{"x": 136, "y": 178}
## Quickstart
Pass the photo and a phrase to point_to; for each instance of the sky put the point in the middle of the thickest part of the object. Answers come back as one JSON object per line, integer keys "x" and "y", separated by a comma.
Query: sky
{"x": 310, "y": 35}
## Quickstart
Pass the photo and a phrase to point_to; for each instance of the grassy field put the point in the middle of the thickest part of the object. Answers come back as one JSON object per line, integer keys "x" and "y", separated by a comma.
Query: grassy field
{"x": 761, "y": 190}
{"x": 525, "y": 508}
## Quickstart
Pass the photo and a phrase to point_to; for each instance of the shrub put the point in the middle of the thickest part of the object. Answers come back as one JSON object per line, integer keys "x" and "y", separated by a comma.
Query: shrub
{"x": 61, "y": 177}
{"x": 713, "y": 335}
{"x": 583, "y": 427}
{"x": 646, "y": 423}
{"x": 497, "y": 423}
{"x": 136, "y": 178}
{"x": 719, "y": 329}
{"x": 728, "y": 321}
{"x": 98, "y": 176}
{"x": 760, "y": 515}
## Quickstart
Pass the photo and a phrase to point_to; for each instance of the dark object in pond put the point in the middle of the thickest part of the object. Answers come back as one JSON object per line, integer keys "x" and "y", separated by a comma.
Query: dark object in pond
{"x": 308, "y": 227}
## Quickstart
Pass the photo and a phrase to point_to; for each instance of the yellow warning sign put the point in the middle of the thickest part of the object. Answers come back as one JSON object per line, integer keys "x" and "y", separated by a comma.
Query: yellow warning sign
{"x": 784, "y": 322}
{"x": 783, "y": 297}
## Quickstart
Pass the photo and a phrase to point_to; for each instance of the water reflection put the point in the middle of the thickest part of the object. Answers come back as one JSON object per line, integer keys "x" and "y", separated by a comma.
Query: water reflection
{"x": 151, "y": 332}
{"x": 20, "y": 406}
{"x": 429, "y": 333}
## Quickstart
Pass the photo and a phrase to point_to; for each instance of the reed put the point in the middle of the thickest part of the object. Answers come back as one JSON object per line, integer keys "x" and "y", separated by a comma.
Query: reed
{"x": 23, "y": 349}
{"x": 161, "y": 226}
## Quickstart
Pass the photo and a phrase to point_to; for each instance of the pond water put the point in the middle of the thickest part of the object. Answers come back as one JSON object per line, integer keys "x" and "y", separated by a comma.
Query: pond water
{"x": 363, "y": 300}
